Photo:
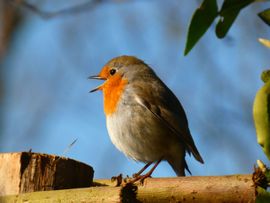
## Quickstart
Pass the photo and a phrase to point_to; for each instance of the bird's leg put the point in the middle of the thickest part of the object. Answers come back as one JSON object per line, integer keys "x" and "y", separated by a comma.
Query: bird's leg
{"x": 148, "y": 174}
{"x": 142, "y": 170}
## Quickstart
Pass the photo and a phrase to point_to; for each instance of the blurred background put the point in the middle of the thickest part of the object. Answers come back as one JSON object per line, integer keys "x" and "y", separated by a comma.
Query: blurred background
{"x": 45, "y": 62}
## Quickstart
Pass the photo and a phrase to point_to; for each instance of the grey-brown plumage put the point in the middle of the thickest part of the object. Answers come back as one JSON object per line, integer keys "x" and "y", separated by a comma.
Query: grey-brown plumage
{"x": 148, "y": 122}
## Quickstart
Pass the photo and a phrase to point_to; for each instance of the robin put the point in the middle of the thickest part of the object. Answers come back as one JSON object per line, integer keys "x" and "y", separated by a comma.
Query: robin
{"x": 144, "y": 118}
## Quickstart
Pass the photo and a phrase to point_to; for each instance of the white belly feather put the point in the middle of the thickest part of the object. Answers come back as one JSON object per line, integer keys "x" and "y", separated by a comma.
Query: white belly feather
{"x": 129, "y": 131}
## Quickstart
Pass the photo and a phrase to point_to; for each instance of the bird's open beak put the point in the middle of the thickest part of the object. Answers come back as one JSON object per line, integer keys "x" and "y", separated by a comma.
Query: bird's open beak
{"x": 97, "y": 78}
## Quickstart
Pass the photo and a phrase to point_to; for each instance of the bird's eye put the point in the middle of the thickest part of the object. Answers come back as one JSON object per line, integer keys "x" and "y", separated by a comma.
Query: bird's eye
{"x": 112, "y": 71}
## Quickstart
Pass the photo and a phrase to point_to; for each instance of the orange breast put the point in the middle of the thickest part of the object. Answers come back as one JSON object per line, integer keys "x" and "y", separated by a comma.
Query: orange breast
{"x": 112, "y": 90}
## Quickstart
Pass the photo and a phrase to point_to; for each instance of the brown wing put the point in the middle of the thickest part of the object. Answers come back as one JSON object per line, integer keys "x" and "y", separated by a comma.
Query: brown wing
{"x": 165, "y": 106}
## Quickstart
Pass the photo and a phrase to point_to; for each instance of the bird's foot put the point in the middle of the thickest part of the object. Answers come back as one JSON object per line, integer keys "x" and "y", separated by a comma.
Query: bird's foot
{"x": 137, "y": 177}
{"x": 118, "y": 179}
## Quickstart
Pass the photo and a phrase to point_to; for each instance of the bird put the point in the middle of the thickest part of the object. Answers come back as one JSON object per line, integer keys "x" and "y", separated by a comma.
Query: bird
{"x": 144, "y": 118}
{"x": 261, "y": 113}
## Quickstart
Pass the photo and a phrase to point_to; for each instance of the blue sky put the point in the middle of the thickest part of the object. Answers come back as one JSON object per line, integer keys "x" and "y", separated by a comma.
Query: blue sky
{"x": 47, "y": 104}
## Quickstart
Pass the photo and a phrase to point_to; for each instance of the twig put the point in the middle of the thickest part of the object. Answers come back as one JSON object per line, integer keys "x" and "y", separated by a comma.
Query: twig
{"x": 69, "y": 146}
{"x": 51, "y": 14}
{"x": 65, "y": 151}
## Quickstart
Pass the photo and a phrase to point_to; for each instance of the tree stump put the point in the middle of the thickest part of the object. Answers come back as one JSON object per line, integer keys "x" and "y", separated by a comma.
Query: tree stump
{"x": 28, "y": 172}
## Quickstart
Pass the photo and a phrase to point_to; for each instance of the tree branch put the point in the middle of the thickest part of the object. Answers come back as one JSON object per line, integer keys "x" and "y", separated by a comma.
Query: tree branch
{"x": 24, "y": 175}
{"x": 86, "y": 6}
{"x": 234, "y": 188}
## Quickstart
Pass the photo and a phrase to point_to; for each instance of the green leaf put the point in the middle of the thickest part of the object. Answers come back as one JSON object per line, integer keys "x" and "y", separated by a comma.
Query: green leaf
{"x": 265, "y": 16}
{"x": 228, "y": 13}
{"x": 200, "y": 22}
{"x": 262, "y": 195}
{"x": 265, "y": 77}
{"x": 265, "y": 42}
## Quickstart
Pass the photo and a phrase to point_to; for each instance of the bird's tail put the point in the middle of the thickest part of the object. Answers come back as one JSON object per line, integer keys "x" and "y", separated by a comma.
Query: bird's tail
{"x": 179, "y": 166}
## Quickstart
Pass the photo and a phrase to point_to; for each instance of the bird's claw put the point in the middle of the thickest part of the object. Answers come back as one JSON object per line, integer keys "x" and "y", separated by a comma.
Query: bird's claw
{"x": 118, "y": 179}
{"x": 136, "y": 177}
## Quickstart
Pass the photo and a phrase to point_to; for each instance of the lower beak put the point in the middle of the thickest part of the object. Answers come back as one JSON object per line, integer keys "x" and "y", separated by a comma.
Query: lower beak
{"x": 97, "y": 78}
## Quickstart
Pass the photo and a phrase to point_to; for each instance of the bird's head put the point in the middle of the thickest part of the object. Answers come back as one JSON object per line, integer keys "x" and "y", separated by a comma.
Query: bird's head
{"x": 122, "y": 68}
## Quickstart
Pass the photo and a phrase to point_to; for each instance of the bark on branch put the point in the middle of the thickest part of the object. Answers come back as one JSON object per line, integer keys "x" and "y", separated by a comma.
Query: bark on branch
{"x": 26, "y": 172}
{"x": 235, "y": 188}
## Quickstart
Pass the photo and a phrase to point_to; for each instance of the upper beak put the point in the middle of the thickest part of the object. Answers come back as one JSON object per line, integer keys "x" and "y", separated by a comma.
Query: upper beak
{"x": 97, "y": 78}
